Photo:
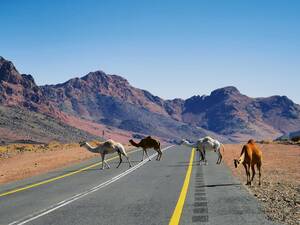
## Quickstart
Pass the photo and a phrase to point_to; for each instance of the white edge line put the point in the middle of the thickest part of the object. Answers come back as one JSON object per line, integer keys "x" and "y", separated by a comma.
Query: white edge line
{"x": 80, "y": 195}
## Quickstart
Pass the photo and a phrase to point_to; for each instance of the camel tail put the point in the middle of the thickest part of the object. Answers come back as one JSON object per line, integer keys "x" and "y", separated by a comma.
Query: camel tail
{"x": 122, "y": 150}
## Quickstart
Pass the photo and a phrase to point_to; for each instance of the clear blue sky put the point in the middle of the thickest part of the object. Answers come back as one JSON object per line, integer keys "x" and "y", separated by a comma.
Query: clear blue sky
{"x": 171, "y": 48}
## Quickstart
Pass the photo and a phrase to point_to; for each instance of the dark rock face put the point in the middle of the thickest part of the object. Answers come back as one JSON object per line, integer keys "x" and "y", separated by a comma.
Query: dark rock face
{"x": 227, "y": 111}
{"x": 19, "y": 90}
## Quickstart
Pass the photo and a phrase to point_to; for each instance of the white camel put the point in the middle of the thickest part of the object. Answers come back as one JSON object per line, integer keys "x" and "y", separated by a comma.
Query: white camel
{"x": 206, "y": 143}
{"x": 213, "y": 144}
{"x": 199, "y": 148}
{"x": 107, "y": 147}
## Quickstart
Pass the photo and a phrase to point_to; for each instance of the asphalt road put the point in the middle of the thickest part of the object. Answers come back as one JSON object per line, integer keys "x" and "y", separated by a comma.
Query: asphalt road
{"x": 150, "y": 193}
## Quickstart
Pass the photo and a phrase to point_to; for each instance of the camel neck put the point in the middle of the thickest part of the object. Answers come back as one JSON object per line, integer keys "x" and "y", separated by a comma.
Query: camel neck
{"x": 135, "y": 144}
{"x": 189, "y": 144}
{"x": 90, "y": 148}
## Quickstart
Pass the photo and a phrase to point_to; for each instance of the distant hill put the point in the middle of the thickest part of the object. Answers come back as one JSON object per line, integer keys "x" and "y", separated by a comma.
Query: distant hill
{"x": 111, "y": 100}
{"x": 17, "y": 124}
{"x": 289, "y": 136}
{"x": 226, "y": 111}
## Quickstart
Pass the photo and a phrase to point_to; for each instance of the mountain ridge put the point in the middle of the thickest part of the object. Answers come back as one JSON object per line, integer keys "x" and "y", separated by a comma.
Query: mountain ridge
{"x": 111, "y": 100}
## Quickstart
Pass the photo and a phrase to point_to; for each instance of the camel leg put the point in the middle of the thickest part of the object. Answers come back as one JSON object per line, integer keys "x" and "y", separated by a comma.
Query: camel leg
{"x": 259, "y": 172}
{"x": 248, "y": 174}
{"x": 220, "y": 157}
{"x": 160, "y": 155}
{"x": 199, "y": 155}
{"x": 104, "y": 162}
{"x": 204, "y": 156}
{"x": 127, "y": 159}
{"x": 253, "y": 173}
{"x": 246, "y": 170}
{"x": 120, "y": 157}
{"x": 102, "y": 157}
{"x": 143, "y": 155}
{"x": 216, "y": 151}
{"x": 147, "y": 155}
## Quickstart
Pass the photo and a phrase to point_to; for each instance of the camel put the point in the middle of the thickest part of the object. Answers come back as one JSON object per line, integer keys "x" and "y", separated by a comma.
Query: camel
{"x": 107, "y": 147}
{"x": 251, "y": 155}
{"x": 206, "y": 143}
{"x": 146, "y": 143}
{"x": 213, "y": 144}
{"x": 199, "y": 148}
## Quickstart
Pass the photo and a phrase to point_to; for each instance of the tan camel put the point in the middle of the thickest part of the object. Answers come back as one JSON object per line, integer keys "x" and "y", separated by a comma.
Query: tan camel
{"x": 107, "y": 147}
{"x": 251, "y": 155}
{"x": 146, "y": 143}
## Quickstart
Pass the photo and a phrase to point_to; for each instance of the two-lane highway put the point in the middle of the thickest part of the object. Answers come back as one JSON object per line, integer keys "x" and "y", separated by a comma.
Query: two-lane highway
{"x": 174, "y": 190}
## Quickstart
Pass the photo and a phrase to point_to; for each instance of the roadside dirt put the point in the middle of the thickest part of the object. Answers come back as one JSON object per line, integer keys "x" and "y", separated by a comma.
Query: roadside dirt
{"x": 279, "y": 193}
{"x": 19, "y": 161}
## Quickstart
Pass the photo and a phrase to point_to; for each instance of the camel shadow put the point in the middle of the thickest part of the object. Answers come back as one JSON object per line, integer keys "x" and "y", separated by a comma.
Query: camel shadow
{"x": 186, "y": 164}
{"x": 219, "y": 185}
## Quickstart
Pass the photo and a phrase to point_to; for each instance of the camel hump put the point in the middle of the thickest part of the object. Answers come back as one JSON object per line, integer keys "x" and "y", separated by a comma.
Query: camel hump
{"x": 109, "y": 143}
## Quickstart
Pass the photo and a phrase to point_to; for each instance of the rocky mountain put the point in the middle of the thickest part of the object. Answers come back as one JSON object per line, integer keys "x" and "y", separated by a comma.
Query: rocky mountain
{"x": 18, "y": 124}
{"x": 20, "y": 89}
{"x": 111, "y": 100}
{"x": 226, "y": 111}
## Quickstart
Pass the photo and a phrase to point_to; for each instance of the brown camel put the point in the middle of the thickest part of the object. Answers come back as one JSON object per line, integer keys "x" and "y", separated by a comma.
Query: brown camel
{"x": 251, "y": 155}
{"x": 146, "y": 143}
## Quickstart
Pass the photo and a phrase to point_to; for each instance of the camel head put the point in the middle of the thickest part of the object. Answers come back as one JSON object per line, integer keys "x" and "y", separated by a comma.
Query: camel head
{"x": 184, "y": 141}
{"x": 131, "y": 141}
{"x": 82, "y": 143}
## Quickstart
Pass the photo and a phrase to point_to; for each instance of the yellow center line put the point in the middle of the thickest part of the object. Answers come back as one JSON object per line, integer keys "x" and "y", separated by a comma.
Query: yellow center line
{"x": 180, "y": 203}
{"x": 59, "y": 177}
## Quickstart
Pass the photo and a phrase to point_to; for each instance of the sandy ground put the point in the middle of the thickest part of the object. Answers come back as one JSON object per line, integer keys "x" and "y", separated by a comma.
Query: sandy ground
{"x": 279, "y": 193}
{"x": 22, "y": 161}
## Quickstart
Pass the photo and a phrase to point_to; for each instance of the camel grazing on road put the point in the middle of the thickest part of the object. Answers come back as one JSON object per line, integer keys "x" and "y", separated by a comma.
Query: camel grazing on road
{"x": 147, "y": 143}
{"x": 199, "y": 148}
{"x": 206, "y": 143}
{"x": 213, "y": 144}
{"x": 251, "y": 155}
{"x": 107, "y": 147}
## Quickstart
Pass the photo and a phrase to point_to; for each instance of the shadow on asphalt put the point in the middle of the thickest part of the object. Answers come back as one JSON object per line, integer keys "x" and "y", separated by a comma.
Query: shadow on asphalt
{"x": 219, "y": 185}
{"x": 181, "y": 164}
